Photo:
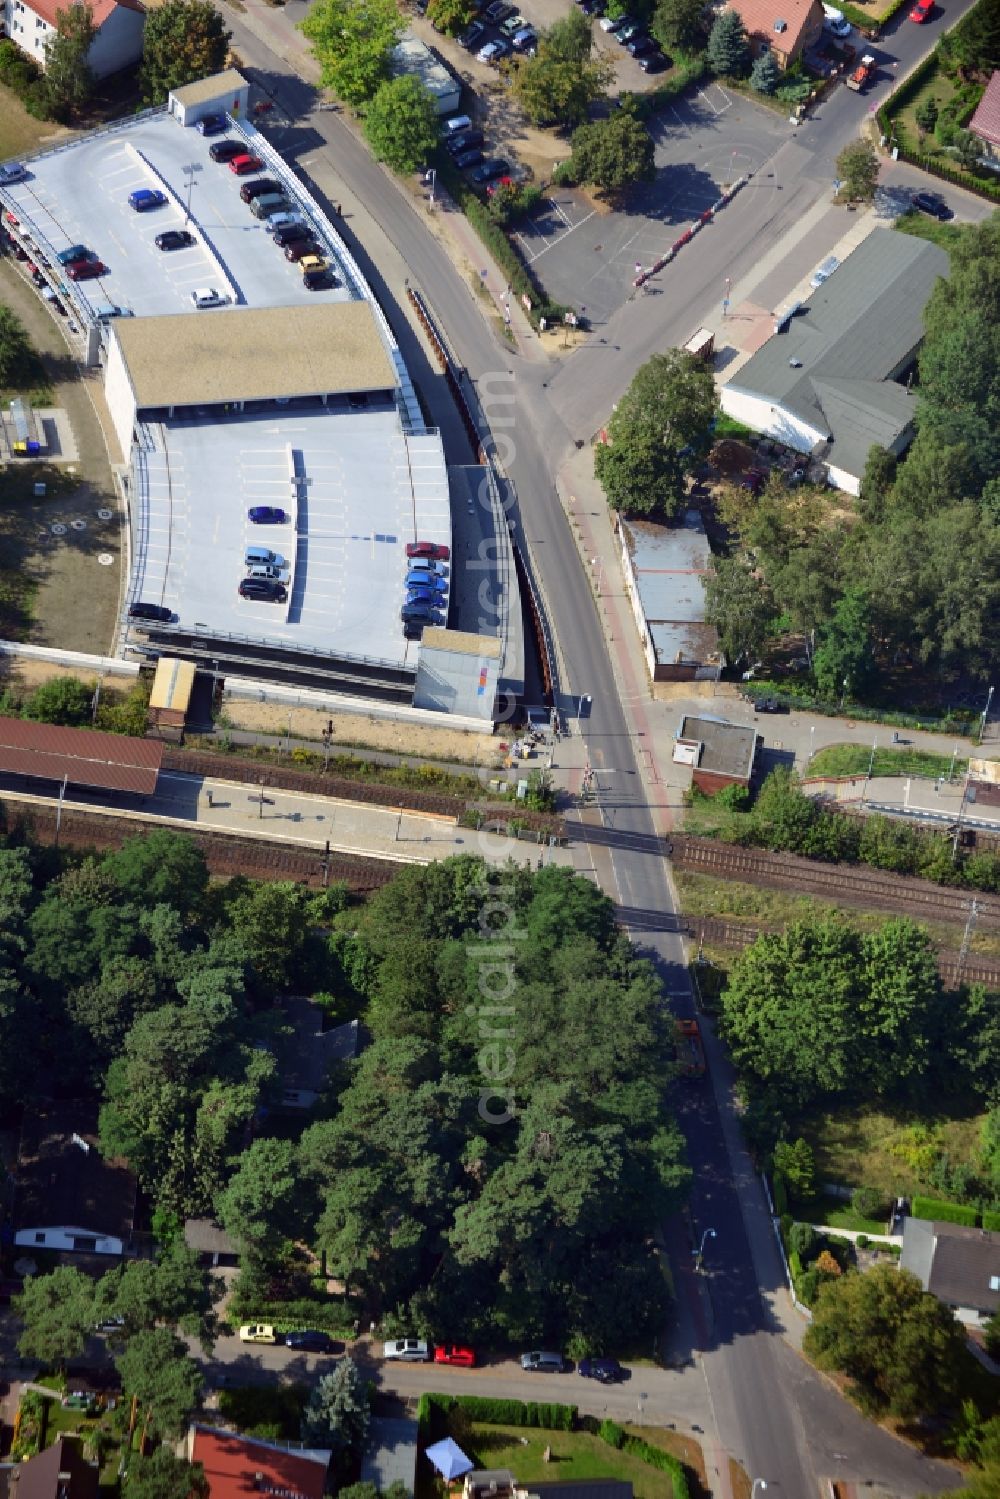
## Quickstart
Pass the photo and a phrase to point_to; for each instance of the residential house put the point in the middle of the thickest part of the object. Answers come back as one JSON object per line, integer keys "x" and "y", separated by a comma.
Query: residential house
{"x": 119, "y": 30}
{"x": 720, "y": 754}
{"x": 59, "y": 1472}
{"x": 309, "y": 1052}
{"x": 238, "y": 1467}
{"x": 834, "y": 379}
{"x": 783, "y": 27}
{"x": 664, "y": 568}
{"x": 211, "y": 1244}
{"x": 957, "y": 1264}
{"x": 986, "y": 121}
{"x": 67, "y": 1196}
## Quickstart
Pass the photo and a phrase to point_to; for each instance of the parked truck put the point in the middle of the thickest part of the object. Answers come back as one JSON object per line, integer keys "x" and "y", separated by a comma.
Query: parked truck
{"x": 688, "y": 1049}
{"x": 863, "y": 73}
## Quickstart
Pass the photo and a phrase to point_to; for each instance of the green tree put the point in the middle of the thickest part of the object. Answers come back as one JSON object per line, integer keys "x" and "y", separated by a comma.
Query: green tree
{"x": 450, "y": 16}
{"x": 657, "y": 435}
{"x": 271, "y": 921}
{"x": 263, "y": 1200}
{"x": 161, "y": 1475}
{"x": 868, "y": 1202}
{"x": 69, "y": 82}
{"x": 352, "y": 40}
{"x": 184, "y": 40}
{"x": 876, "y": 483}
{"x": 728, "y": 50}
{"x": 559, "y": 84}
{"x": 843, "y": 660}
{"x": 976, "y": 40}
{"x": 968, "y": 148}
{"x": 613, "y": 154}
{"x": 990, "y": 1147}
{"x": 901, "y": 1349}
{"x": 17, "y": 357}
{"x": 401, "y": 123}
{"x": 740, "y": 605}
{"x": 858, "y": 168}
{"x": 58, "y": 1315}
{"x": 174, "y": 1291}
{"x": 165, "y": 1382}
{"x": 60, "y": 700}
{"x": 926, "y": 114}
{"x": 765, "y": 75}
{"x": 991, "y": 1337}
{"x": 162, "y": 866}
{"x": 678, "y": 25}
{"x": 797, "y": 1164}
{"x": 337, "y": 1415}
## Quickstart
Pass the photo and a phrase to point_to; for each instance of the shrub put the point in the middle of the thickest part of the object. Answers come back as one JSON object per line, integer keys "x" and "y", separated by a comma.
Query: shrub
{"x": 867, "y": 1202}
{"x": 433, "y": 1409}
{"x": 943, "y": 1212}
{"x": 862, "y": 1241}
{"x": 802, "y": 1240}
{"x": 612, "y": 1433}
{"x": 991, "y": 1221}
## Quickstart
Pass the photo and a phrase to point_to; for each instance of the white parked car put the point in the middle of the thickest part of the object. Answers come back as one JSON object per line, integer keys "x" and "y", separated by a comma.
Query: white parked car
{"x": 208, "y": 296}
{"x": 410, "y": 1350}
{"x": 835, "y": 21}
{"x": 11, "y": 171}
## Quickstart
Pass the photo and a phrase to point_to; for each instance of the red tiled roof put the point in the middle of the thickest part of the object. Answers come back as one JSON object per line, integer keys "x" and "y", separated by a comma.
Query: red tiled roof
{"x": 112, "y": 762}
{"x": 986, "y": 121}
{"x": 101, "y": 8}
{"x": 242, "y": 1468}
{"x": 759, "y": 18}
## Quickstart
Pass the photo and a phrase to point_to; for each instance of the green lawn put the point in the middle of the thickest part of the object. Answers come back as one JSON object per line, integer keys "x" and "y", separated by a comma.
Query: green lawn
{"x": 834, "y": 1212}
{"x": 575, "y": 1455}
{"x": 895, "y": 1154}
{"x": 854, "y": 759}
{"x": 918, "y": 224}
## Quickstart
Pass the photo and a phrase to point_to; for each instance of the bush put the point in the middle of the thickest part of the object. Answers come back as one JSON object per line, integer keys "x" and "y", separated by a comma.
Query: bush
{"x": 656, "y": 1458}
{"x": 862, "y": 1241}
{"x": 991, "y": 1221}
{"x": 270, "y": 1413}
{"x": 867, "y": 1202}
{"x": 61, "y": 700}
{"x": 612, "y": 1433}
{"x": 433, "y": 1409}
{"x": 802, "y": 1240}
{"x": 943, "y": 1212}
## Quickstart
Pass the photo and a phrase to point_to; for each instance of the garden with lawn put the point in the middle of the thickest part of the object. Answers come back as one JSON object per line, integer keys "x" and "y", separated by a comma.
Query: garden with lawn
{"x": 99, "y": 1422}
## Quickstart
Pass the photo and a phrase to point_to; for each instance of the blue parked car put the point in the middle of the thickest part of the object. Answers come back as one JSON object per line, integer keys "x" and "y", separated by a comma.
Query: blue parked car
{"x": 267, "y": 515}
{"x": 604, "y": 1370}
{"x": 426, "y": 579}
{"x": 145, "y": 198}
{"x": 211, "y": 124}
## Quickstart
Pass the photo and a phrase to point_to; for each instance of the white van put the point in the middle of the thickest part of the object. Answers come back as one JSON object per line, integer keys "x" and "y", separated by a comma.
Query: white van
{"x": 261, "y": 557}
{"x": 454, "y": 125}
{"x": 207, "y": 296}
{"x": 264, "y": 570}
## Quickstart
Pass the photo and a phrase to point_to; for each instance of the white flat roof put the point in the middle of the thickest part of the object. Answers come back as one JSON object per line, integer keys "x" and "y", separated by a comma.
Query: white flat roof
{"x": 78, "y": 194}
{"x": 364, "y": 490}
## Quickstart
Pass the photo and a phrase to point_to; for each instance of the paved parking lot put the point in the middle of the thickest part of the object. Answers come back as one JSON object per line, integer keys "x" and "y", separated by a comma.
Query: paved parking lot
{"x": 589, "y": 259}
{"x": 79, "y": 193}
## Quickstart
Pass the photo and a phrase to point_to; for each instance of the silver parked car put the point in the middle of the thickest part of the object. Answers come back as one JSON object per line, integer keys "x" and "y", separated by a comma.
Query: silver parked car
{"x": 410, "y": 1350}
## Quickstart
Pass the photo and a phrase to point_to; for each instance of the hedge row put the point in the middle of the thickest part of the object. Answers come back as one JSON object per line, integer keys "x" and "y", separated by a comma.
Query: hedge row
{"x": 433, "y": 1408}
{"x": 985, "y": 187}
{"x": 991, "y": 1221}
{"x": 325, "y": 1313}
{"x": 943, "y": 1212}
{"x": 654, "y": 1457}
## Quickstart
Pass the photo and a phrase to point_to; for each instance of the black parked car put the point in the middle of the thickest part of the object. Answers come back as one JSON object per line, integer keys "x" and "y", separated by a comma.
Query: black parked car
{"x": 258, "y": 187}
{"x": 468, "y": 159}
{"x": 151, "y": 611}
{"x": 494, "y": 166}
{"x": 310, "y": 1341}
{"x": 174, "y": 239}
{"x": 468, "y": 140}
{"x": 498, "y": 12}
{"x": 604, "y": 1370}
{"x": 289, "y": 232}
{"x": 769, "y": 705}
{"x": 263, "y": 588}
{"x": 472, "y": 36}
{"x": 931, "y": 204}
{"x": 639, "y": 46}
{"x": 226, "y": 150}
{"x": 653, "y": 62}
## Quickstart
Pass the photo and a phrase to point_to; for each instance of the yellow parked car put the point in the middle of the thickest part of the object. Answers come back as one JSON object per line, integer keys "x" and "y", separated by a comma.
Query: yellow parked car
{"x": 258, "y": 1332}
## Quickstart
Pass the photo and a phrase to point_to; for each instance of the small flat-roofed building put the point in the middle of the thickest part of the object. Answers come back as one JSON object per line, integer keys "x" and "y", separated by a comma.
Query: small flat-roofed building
{"x": 720, "y": 754}
{"x": 411, "y": 55}
{"x": 664, "y": 569}
{"x": 170, "y": 698}
{"x": 832, "y": 379}
{"x": 79, "y": 757}
{"x": 226, "y": 93}
{"x": 119, "y": 27}
{"x": 957, "y": 1264}
{"x": 458, "y": 673}
{"x": 67, "y": 1196}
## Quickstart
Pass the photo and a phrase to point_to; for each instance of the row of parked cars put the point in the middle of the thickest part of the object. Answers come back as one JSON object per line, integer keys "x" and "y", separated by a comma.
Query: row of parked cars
{"x": 426, "y": 587}
{"x": 418, "y": 1351}
{"x": 498, "y": 31}
{"x": 628, "y": 34}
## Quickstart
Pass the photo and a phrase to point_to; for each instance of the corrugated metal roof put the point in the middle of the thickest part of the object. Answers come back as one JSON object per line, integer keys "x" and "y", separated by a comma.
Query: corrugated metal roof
{"x": 83, "y": 757}
{"x": 834, "y": 364}
{"x": 172, "y": 684}
{"x": 669, "y": 564}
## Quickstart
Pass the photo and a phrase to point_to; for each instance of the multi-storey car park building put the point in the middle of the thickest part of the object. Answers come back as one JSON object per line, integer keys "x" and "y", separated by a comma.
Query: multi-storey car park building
{"x": 279, "y": 396}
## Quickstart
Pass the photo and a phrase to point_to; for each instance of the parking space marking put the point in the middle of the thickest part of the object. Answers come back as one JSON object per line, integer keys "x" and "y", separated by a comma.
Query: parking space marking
{"x": 550, "y": 244}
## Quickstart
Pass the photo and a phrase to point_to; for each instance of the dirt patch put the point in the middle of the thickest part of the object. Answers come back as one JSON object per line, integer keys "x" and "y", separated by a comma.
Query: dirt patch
{"x": 730, "y": 456}
{"x": 350, "y": 729}
{"x": 20, "y": 133}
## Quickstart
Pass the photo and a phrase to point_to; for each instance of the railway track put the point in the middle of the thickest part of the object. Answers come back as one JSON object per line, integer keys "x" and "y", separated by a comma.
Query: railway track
{"x": 847, "y": 884}
{"x": 974, "y": 969}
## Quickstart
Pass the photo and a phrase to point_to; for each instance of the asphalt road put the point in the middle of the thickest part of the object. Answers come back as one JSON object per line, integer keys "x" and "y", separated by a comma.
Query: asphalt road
{"x": 769, "y": 1408}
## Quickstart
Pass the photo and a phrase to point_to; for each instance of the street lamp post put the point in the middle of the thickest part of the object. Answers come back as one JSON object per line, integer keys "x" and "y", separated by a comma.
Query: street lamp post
{"x": 189, "y": 171}
{"x": 699, "y": 1253}
{"x": 871, "y": 767}
{"x": 985, "y": 715}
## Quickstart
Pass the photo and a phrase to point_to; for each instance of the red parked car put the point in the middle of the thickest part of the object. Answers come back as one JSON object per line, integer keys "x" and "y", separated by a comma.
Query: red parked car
{"x": 460, "y": 1358}
{"x": 429, "y": 549}
{"x": 85, "y": 270}
{"x": 921, "y": 11}
{"x": 242, "y": 165}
